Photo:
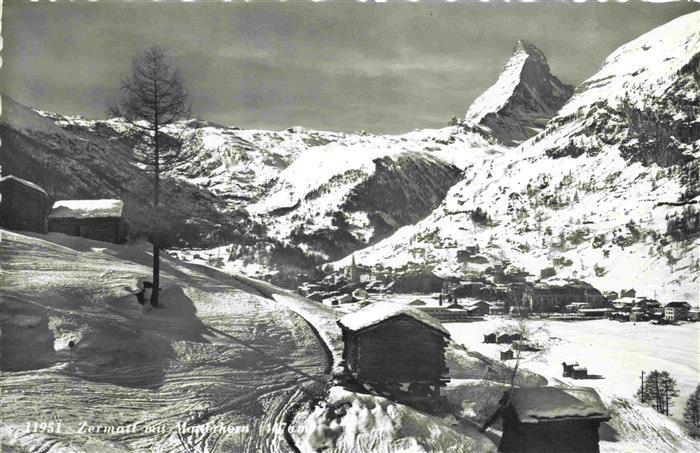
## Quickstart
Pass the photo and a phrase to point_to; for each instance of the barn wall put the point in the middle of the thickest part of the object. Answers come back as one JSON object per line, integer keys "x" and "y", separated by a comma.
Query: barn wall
{"x": 398, "y": 350}
{"x": 99, "y": 229}
{"x": 22, "y": 208}
{"x": 571, "y": 436}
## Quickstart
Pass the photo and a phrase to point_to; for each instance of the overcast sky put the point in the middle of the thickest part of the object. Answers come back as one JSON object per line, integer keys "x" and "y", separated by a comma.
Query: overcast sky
{"x": 336, "y": 66}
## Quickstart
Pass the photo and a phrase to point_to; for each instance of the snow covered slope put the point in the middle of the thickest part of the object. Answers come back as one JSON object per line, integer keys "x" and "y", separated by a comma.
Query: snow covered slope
{"x": 606, "y": 195}
{"x": 217, "y": 368}
{"x": 525, "y": 96}
{"x": 348, "y": 194}
{"x": 79, "y": 163}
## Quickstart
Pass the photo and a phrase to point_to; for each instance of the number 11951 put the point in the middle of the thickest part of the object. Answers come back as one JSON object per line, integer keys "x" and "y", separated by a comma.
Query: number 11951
{"x": 51, "y": 427}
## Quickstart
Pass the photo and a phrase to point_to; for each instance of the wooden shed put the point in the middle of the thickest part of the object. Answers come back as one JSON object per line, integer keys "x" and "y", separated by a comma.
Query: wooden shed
{"x": 396, "y": 349}
{"x": 490, "y": 337}
{"x": 101, "y": 220}
{"x": 568, "y": 368}
{"x": 23, "y": 205}
{"x": 542, "y": 419}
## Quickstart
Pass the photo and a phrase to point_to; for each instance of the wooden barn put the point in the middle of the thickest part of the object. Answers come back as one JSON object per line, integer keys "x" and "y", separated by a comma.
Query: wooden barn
{"x": 568, "y": 368}
{"x": 23, "y": 205}
{"x": 101, "y": 220}
{"x": 396, "y": 349}
{"x": 506, "y": 354}
{"x": 490, "y": 337}
{"x": 542, "y": 419}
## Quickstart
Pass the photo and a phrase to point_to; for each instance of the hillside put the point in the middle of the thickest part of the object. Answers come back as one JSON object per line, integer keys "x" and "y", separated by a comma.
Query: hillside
{"x": 605, "y": 194}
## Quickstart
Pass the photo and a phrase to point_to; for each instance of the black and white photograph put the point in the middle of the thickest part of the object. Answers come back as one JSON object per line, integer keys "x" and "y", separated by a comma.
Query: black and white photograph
{"x": 349, "y": 227}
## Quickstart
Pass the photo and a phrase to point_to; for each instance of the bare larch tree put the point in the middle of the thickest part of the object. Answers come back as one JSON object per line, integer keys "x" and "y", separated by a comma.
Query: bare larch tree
{"x": 154, "y": 97}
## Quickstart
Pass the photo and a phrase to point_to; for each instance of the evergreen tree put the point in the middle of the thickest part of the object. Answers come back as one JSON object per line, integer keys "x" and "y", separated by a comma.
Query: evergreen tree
{"x": 658, "y": 389}
{"x": 691, "y": 414}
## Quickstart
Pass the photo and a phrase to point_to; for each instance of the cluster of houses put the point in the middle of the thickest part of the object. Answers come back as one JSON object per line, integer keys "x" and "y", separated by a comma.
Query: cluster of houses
{"x": 631, "y": 307}
{"x": 24, "y": 206}
{"x": 413, "y": 370}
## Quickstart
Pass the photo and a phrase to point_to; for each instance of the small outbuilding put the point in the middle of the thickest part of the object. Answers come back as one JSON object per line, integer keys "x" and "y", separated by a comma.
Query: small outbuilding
{"x": 23, "y": 205}
{"x": 542, "y": 419}
{"x": 101, "y": 220}
{"x": 490, "y": 337}
{"x": 507, "y": 354}
{"x": 568, "y": 368}
{"x": 397, "y": 350}
{"x": 579, "y": 372}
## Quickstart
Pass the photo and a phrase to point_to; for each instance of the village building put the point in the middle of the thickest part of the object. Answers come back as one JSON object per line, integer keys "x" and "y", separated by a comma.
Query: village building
{"x": 467, "y": 252}
{"x": 595, "y": 312}
{"x": 694, "y": 314}
{"x": 101, "y": 220}
{"x": 23, "y": 205}
{"x": 506, "y": 354}
{"x": 478, "y": 308}
{"x": 490, "y": 337}
{"x": 416, "y": 303}
{"x": 676, "y": 311}
{"x": 497, "y": 308}
{"x": 549, "y": 419}
{"x": 579, "y": 372}
{"x": 397, "y": 349}
{"x": 549, "y": 297}
{"x": 568, "y": 367}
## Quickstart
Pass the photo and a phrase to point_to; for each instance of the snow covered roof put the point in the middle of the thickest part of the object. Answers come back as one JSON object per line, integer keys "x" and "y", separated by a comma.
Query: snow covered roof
{"x": 381, "y": 311}
{"x": 543, "y": 404}
{"x": 86, "y": 209}
{"x": 678, "y": 304}
{"x": 24, "y": 182}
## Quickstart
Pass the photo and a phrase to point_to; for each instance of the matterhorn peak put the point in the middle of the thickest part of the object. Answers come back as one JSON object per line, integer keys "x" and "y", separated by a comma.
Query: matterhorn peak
{"x": 525, "y": 96}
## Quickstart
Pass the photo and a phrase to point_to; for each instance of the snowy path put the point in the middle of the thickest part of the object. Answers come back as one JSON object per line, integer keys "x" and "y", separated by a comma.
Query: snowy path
{"x": 218, "y": 368}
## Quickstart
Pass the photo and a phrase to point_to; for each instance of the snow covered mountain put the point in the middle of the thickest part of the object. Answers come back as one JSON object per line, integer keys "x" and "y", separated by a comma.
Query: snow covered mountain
{"x": 608, "y": 193}
{"x": 340, "y": 197}
{"x": 525, "y": 96}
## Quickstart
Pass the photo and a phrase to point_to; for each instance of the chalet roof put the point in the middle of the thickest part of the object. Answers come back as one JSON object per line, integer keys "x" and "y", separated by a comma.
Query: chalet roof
{"x": 379, "y": 312}
{"x": 678, "y": 304}
{"x": 24, "y": 182}
{"x": 544, "y": 404}
{"x": 86, "y": 209}
{"x": 416, "y": 302}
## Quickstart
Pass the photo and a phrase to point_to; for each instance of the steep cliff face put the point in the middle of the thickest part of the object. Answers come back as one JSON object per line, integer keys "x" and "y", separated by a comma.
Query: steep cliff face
{"x": 343, "y": 196}
{"x": 608, "y": 193}
{"x": 525, "y": 96}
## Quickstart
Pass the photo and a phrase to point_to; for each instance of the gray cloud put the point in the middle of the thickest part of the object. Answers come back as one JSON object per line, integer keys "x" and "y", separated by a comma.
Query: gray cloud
{"x": 339, "y": 66}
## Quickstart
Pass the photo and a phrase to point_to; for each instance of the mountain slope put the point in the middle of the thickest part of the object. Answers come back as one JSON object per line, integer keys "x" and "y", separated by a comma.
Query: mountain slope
{"x": 342, "y": 196}
{"x": 525, "y": 96}
{"x": 616, "y": 213}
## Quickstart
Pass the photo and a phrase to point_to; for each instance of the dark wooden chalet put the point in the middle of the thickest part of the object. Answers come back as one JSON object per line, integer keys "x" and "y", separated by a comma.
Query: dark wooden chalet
{"x": 393, "y": 347}
{"x": 507, "y": 354}
{"x": 101, "y": 220}
{"x": 551, "y": 419}
{"x": 568, "y": 368}
{"x": 490, "y": 337}
{"x": 23, "y": 205}
{"x": 579, "y": 372}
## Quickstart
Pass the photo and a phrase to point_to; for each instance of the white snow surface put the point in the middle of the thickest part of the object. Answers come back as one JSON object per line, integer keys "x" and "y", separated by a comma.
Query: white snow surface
{"x": 86, "y": 209}
{"x": 652, "y": 60}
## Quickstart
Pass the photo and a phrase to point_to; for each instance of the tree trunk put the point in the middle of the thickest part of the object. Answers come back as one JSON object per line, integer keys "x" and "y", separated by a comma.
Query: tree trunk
{"x": 156, "y": 202}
